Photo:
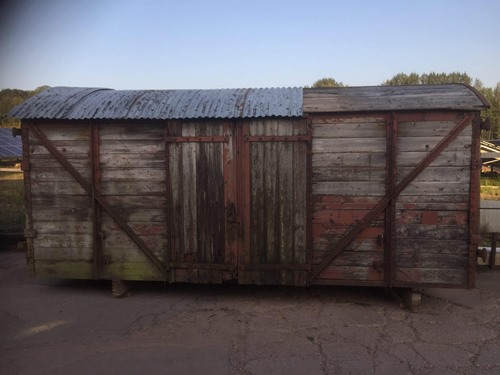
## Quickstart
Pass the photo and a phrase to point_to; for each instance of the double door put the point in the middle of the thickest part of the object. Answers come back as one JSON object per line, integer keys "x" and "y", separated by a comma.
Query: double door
{"x": 238, "y": 196}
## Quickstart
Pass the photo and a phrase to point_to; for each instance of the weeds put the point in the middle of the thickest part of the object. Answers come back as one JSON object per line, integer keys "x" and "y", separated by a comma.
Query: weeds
{"x": 12, "y": 215}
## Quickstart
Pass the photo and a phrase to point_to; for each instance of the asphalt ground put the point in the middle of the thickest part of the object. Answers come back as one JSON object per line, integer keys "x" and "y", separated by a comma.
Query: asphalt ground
{"x": 77, "y": 327}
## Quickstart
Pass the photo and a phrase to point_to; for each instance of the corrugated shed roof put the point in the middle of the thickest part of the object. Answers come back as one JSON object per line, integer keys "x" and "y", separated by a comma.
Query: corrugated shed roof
{"x": 393, "y": 98}
{"x": 73, "y": 103}
{"x": 10, "y": 147}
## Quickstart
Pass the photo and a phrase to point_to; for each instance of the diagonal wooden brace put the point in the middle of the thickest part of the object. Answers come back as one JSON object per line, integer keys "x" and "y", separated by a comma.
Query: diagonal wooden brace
{"x": 98, "y": 198}
{"x": 381, "y": 206}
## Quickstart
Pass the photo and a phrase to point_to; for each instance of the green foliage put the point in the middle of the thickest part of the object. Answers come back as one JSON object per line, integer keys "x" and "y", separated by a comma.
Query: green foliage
{"x": 431, "y": 78}
{"x": 11, "y": 201}
{"x": 9, "y": 98}
{"x": 327, "y": 82}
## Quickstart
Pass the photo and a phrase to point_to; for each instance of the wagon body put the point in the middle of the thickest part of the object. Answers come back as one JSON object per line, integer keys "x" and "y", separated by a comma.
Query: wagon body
{"x": 373, "y": 186}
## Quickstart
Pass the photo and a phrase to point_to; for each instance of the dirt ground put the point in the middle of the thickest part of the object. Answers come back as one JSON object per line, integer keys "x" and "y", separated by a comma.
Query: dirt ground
{"x": 76, "y": 327}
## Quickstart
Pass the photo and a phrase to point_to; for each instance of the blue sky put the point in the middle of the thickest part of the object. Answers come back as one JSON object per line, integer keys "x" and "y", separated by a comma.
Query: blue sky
{"x": 152, "y": 44}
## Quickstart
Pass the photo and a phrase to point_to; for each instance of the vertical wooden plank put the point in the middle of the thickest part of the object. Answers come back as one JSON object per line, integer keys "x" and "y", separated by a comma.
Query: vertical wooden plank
{"x": 271, "y": 158}
{"x": 474, "y": 200}
{"x": 258, "y": 234}
{"x": 244, "y": 256}
{"x": 175, "y": 214}
{"x": 285, "y": 204}
{"x": 299, "y": 185}
{"x": 231, "y": 182}
{"x": 26, "y": 166}
{"x": 390, "y": 212}
{"x": 96, "y": 208}
{"x": 189, "y": 153}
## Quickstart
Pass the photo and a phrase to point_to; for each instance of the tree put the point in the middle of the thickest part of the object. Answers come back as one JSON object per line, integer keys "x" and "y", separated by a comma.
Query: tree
{"x": 9, "y": 98}
{"x": 431, "y": 78}
{"x": 327, "y": 82}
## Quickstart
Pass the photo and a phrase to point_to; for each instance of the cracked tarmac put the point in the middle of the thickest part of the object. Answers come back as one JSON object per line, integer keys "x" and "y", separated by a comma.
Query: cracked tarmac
{"x": 76, "y": 327}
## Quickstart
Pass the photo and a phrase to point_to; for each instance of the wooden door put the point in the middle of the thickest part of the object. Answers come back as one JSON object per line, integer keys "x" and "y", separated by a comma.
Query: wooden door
{"x": 202, "y": 238}
{"x": 274, "y": 175}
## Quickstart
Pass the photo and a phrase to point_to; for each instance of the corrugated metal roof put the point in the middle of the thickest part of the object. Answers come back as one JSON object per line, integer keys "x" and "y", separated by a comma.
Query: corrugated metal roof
{"x": 393, "y": 98}
{"x": 73, "y": 103}
{"x": 10, "y": 146}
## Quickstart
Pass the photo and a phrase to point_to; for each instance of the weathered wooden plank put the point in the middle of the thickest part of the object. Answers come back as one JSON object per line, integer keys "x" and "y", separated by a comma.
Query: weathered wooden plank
{"x": 355, "y": 145}
{"x": 424, "y": 275}
{"x": 435, "y": 188}
{"x": 443, "y": 232}
{"x": 81, "y": 162}
{"x": 299, "y": 185}
{"x": 417, "y": 245}
{"x": 322, "y": 246}
{"x": 134, "y": 202}
{"x": 63, "y": 132}
{"x": 342, "y": 201}
{"x": 433, "y": 174}
{"x": 348, "y": 159}
{"x": 117, "y": 245}
{"x": 132, "y": 146}
{"x": 349, "y": 130}
{"x": 210, "y": 198}
{"x": 133, "y": 271}
{"x": 414, "y": 201}
{"x": 367, "y": 98}
{"x": 348, "y": 188}
{"x": 57, "y": 214}
{"x": 342, "y": 216}
{"x": 258, "y": 233}
{"x": 71, "y": 148}
{"x": 406, "y": 144}
{"x": 357, "y": 259}
{"x": 54, "y": 175}
{"x": 428, "y": 128}
{"x": 348, "y": 119}
{"x": 432, "y": 217}
{"x": 128, "y": 132}
{"x": 440, "y": 261}
{"x": 133, "y": 160}
{"x": 61, "y": 241}
{"x": 447, "y": 158}
{"x": 40, "y": 188}
{"x": 139, "y": 215}
{"x": 132, "y": 187}
{"x": 61, "y": 201}
{"x": 151, "y": 174}
{"x": 175, "y": 217}
{"x": 64, "y": 254}
{"x": 270, "y": 174}
{"x": 285, "y": 199}
{"x": 65, "y": 269}
{"x": 351, "y": 273}
{"x": 189, "y": 212}
{"x": 367, "y": 173}
{"x": 140, "y": 228}
{"x": 63, "y": 227}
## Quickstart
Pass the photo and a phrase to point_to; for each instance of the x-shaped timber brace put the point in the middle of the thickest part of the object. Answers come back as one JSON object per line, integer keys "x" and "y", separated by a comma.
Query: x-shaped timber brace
{"x": 392, "y": 192}
{"x": 97, "y": 198}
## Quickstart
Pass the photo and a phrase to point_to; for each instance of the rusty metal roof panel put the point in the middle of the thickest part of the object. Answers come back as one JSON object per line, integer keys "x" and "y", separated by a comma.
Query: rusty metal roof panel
{"x": 93, "y": 103}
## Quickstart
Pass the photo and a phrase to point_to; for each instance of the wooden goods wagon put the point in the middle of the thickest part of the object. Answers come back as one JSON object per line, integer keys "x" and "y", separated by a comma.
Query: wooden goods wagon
{"x": 375, "y": 186}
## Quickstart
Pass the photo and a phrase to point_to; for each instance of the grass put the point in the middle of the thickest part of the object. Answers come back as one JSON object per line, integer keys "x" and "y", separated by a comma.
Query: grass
{"x": 12, "y": 215}
{"x": 490, "y": 187}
